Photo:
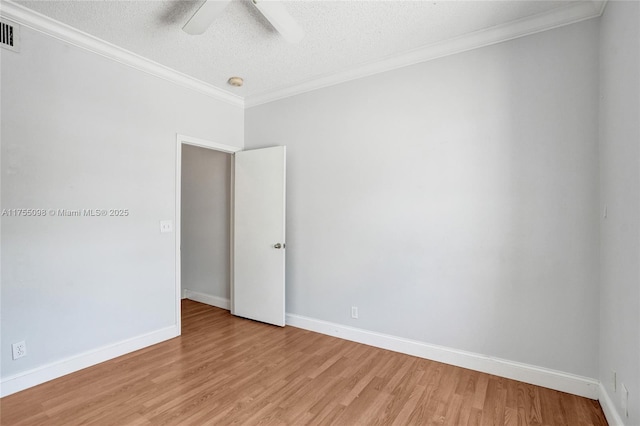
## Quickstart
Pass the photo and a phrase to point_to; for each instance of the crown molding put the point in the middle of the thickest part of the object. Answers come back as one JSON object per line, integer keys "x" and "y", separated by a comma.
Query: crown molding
{"x": 569, "y": 14}
{"x": 36, "y": 21}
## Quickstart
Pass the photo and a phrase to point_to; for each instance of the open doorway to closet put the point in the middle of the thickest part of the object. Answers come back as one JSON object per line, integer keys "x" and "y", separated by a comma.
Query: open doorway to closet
{"x": 206, "y": 196}
{"x": 203, "y": 209}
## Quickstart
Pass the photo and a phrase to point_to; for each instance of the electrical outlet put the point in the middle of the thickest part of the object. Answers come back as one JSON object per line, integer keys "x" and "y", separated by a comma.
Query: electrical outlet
{"x": 18, "y": 350}
{"x": 624, "y": 399}
{"x": 354, "y": 312}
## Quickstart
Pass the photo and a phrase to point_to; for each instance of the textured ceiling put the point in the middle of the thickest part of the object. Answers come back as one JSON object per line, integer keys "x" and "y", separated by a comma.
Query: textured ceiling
{"x": 340, "y": 35}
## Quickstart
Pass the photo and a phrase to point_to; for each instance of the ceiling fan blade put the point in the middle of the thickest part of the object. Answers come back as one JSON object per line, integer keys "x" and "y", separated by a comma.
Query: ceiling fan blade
{"x": 282, "y": 21}
{"x": 204, "y": 16}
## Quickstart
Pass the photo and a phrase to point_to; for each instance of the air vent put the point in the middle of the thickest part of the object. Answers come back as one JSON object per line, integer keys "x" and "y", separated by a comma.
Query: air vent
{"x": 9, "y": 35}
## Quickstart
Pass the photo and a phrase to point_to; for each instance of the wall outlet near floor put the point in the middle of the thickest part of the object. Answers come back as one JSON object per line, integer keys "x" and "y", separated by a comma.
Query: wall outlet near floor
{"x": 354, "y": 312}
{"x": 624, "y": 399}
{"x": 18, "y": 350}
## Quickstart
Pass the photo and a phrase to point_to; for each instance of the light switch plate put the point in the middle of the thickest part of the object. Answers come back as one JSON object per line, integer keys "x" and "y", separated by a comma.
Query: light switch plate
{"x": 166, "y": 226}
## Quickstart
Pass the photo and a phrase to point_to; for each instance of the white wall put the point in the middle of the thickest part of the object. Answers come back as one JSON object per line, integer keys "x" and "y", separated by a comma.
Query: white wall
{"x": 620, "y": 192}
{"x": 205, "y": 221}
{"x": 452, "y": 201}
{"x": 83, "y": 132}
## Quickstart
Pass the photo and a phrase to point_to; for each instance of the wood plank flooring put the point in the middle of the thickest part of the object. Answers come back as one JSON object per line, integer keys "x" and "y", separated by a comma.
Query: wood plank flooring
{"x": 226, "y": 370}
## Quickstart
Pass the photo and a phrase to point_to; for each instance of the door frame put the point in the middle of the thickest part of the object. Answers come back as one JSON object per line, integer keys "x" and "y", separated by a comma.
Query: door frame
{"x": 202, "y": 143}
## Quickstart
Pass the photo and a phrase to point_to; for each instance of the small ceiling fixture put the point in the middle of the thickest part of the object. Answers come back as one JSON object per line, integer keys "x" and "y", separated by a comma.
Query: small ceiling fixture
{"x": 235, "y": 81}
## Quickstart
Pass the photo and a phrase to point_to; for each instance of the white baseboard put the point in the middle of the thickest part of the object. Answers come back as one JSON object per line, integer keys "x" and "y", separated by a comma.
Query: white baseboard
{"x": 532, "y": 374}
{"x": 565, "y": 382}
{"x": 39, "y": 375}
{"x": 219, "y": 302}
{"x": 609, "y": 408}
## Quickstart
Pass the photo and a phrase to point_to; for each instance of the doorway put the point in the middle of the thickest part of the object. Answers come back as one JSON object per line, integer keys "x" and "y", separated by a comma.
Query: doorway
{"x": 203, "y": 209}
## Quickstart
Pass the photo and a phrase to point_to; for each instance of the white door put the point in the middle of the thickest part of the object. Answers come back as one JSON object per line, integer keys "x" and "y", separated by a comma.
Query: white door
{"x": 259, "y": 235}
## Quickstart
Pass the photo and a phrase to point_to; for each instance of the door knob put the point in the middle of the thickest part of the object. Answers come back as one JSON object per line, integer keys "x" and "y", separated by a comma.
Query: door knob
{"x": 278, "y": 246}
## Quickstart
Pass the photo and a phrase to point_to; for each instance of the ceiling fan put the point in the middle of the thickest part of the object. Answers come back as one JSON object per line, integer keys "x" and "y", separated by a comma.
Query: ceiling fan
{"x": 273, "y": 11}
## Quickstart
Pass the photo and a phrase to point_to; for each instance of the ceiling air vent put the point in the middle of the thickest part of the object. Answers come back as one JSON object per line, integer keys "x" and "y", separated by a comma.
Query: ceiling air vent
{"x": 9, "y": 35}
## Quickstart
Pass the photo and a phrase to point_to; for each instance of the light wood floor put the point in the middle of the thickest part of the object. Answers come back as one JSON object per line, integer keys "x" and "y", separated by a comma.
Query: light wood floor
{"x": 226, "y": 370}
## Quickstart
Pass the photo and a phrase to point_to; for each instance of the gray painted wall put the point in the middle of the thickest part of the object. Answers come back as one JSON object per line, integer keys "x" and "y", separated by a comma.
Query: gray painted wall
{"x": 452, "y": 201}
{"x": 83, "y": 132}
{"x": 206, "y": 192}
{"x": 620, "y": 192}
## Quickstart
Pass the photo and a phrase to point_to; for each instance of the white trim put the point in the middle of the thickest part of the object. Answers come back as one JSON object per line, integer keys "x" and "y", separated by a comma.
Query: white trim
{"x": 609, "y": 408}
{"x": 558, "y": 380}
{"x": 178, "y": 231}
{"x": 218, "y": 302}
{"x": 204, "y": 143}
{"x": 44, "y": 24}
{"x": 36, "y": 376}
{"x": 232, "y": 236}
{"x": 569, "y": 14}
